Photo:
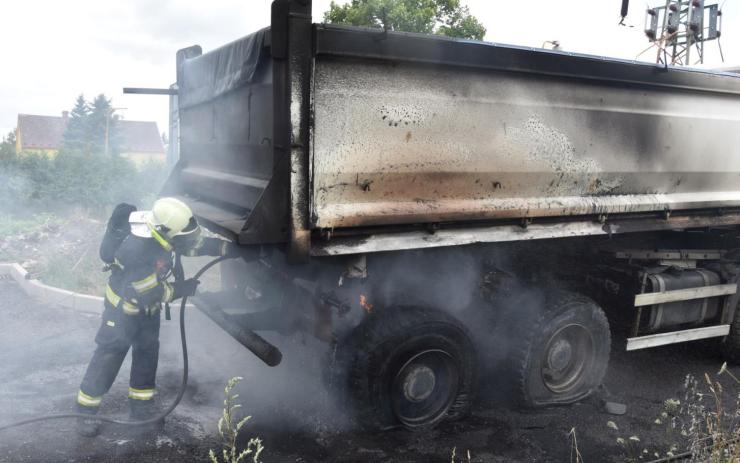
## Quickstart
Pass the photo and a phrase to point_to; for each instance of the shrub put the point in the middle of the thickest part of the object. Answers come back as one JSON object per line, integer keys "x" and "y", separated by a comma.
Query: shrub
{"x": 73, "y": 179}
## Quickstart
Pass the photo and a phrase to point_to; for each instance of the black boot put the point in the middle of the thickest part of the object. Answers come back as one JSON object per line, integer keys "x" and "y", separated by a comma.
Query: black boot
{"x": 88, "y": 427}
{"x": 142, "y": 410}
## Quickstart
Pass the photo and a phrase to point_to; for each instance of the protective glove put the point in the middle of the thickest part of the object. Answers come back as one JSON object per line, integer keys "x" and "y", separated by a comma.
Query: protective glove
{"x": 248, "y": 253}
{"x": 185, "y": 288}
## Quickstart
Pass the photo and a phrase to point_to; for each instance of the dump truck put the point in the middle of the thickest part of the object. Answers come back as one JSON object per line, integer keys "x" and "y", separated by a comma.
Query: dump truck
{"x": 431, "y": 207}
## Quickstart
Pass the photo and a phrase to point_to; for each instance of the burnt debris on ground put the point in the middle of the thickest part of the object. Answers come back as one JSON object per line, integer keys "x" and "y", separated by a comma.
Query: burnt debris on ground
{"x": 294, "y": 415}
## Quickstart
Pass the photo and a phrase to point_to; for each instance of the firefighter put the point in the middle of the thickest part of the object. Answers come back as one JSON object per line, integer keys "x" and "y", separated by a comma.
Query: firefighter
{"x": 142, "y": 261}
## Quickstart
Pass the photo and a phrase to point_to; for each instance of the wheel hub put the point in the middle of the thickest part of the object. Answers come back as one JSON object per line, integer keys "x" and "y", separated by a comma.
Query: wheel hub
{"x": 424, "y": 387}
{"x": 567, "y": 357}
{"x": 560, "y": 354}
{"x": 419, "y": 383}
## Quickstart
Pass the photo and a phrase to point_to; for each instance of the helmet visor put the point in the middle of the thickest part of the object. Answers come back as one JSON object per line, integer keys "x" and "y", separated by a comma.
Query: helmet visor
{"x": 139, "y": 223}
{"x": 189, "y": 238}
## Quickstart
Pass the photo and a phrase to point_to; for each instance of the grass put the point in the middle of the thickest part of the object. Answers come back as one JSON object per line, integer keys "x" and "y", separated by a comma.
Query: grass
{"x": 59, "y": 251}
{"x": 13, "y": 225}
{"x": 81, "y": 272}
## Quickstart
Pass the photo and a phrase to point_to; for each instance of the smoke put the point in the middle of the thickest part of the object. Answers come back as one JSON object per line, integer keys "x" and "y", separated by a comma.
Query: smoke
{"x": 445, "y": 279}
{"x": 294, "y": 396}
{"x": 496, "y": 292}
{"x": 288, "y": 397}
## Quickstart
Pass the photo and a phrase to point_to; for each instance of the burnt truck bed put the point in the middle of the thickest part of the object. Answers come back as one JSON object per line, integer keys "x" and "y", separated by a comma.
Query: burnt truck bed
{"x": 342, "y": 140}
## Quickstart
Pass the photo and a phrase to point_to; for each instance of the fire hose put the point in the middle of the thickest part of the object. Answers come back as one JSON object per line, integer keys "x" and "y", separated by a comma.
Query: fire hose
{"x": 264, "y": 350}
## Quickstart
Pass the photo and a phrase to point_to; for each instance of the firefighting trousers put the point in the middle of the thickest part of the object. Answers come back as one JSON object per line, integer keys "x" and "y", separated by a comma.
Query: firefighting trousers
{"x": 118, "y": 333}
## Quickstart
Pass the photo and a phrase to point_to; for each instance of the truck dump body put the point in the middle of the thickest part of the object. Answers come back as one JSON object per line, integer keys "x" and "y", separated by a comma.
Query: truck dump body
{"x": 400, "y": 130}
{"x": 225, "y": 105}
{"x": 399, "y": 141}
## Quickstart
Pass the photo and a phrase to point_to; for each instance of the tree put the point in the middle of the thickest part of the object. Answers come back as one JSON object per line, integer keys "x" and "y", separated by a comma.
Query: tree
{"x": 103, "y": 126}
{"x": 92, "y": 127}
{"x": 7, "y": 147}
{"x": 77, "y": 133}
{"x": 444, "y": 17}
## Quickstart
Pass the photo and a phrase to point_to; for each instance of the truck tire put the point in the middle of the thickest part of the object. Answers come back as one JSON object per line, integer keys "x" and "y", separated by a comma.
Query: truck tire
{"x": 407, "y": 366}
{"x": 564, "y": 353}
{"x": 731, "y": 342}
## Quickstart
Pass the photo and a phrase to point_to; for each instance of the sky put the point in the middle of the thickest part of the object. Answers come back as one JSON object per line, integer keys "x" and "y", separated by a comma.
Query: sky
{"x": 56, "y": 50}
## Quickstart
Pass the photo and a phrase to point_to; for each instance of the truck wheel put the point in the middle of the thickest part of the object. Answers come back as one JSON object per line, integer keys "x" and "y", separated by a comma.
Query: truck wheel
{"x": 565, "y": 353}
{"x": 409, "y": 366}
{"x": 731, "y": 342}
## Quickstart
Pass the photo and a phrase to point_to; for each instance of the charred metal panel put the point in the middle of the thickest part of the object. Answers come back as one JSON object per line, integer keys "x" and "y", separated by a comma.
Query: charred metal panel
{"x": 402, "y": 141}
{"x": 344, "y": 41}
{"x": 226, "y": 167}
{"x": 298, "y": 69}
{"x": 500, "y": 232}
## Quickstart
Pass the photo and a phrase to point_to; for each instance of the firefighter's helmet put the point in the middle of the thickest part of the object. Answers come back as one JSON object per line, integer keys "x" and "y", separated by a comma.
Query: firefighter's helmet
{"x": 170, "y": 219}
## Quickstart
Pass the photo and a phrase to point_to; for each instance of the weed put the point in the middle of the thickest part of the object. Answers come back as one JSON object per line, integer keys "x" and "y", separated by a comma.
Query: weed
{"x": 229, "y": 428}
{"x": 575, "y": 454}
{"x": 713, "y": 432}
{"x": 699, "y": 422}
{"x": 454, "y": 456}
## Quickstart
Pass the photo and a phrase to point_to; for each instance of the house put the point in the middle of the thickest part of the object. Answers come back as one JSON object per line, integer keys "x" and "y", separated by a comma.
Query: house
{"x": 139, "y": 140}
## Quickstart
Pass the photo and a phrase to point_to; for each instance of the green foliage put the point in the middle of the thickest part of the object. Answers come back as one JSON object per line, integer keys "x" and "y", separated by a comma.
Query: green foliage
{"x": 92, "y": 127}
{"x": 75, "y": 179}
{"x": 80, "y": 175}
{"x": 7, "y": 147}
{"x": 229, "y": 427}
{"x": 444, "y": 17}
{"x": 103, "y": 125}
{"x": 76, "y": 135}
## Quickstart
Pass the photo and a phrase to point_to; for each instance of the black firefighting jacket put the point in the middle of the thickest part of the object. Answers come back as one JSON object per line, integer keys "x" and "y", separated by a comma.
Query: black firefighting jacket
{"x": 138, "y": 281}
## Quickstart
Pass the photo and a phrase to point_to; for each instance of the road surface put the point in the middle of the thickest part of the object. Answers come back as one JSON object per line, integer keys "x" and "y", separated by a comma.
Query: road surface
{"x": 44, "y": 350}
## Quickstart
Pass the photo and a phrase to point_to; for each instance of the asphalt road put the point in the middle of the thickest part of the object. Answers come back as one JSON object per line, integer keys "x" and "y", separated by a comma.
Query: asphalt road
{"x": 44, "y": 350}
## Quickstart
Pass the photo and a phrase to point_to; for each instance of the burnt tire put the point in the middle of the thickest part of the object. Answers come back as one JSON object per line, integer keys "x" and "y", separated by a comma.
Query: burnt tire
{"x": 564, "y": 353}
{"x": 407, "y": 366}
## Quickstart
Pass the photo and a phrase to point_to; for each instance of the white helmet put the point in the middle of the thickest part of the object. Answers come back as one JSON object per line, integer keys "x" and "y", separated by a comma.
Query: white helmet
{"x": 172, "y": 217}
{"x": 169, "y": 218}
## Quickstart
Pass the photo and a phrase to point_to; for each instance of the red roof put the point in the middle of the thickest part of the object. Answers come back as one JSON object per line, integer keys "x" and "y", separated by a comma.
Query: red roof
{"x": 47, "y": 132}
{"x": 140, "y": 137}
{"x": 44, "y": 132}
